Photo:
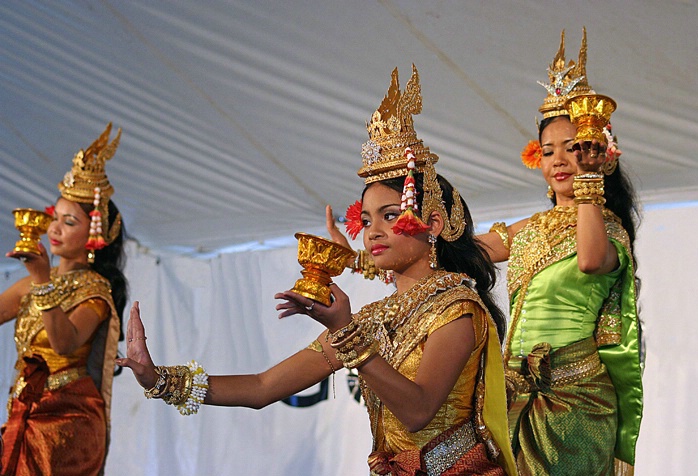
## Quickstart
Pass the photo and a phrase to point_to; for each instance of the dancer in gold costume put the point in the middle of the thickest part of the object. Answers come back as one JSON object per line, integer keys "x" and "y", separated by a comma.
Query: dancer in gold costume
{"x": 573, "y": 351}
{"x": 67, "y": 329}
{"x": 428, "y": 356}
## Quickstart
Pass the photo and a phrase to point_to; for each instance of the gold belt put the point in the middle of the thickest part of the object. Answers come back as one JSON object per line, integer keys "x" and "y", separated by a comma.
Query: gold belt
{"x": 448, "y": 452}
{"x": 563, "y": 375}
{"x": 54, "y": 381}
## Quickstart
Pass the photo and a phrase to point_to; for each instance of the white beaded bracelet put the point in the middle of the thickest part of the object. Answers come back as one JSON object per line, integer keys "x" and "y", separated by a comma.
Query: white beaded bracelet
{"x": 199, "y": 389}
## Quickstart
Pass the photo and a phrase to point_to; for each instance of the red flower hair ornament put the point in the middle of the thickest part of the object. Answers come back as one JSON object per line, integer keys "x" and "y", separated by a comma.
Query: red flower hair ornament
{"x": 353, "y": 222}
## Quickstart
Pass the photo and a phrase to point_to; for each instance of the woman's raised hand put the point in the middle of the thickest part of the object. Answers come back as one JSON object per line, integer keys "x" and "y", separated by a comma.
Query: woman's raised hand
{"x": 336, "y": 235}
{"x": 335, "y": 316}
{"x": 590, "y": 156}
{"x": 137, "y": 355}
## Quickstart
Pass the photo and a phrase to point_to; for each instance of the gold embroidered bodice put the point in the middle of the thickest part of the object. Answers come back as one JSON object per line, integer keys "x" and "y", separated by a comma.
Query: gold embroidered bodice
{"x": 80, "y": 287}
{"x": 549, "y": 240}
{"x": 402, "y": 324}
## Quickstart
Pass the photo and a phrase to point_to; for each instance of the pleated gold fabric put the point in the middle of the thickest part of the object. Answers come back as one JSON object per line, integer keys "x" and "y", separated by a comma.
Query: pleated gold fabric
{"x": 61, "y": 434}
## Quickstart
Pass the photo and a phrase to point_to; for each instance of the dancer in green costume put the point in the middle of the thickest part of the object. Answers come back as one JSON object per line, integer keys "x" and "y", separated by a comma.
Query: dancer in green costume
{"x": 573, "y": 350}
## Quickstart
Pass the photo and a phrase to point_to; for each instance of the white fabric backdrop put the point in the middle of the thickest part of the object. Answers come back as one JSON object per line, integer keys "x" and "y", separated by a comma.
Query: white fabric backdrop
{"x": 221, "y": 312}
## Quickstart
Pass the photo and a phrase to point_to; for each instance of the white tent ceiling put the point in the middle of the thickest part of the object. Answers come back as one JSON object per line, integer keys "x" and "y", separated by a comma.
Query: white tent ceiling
{"x": 242, "y": 119}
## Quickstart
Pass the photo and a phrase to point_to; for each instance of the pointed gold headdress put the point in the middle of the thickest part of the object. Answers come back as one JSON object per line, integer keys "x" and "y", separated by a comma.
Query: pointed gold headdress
{"x": 566, "y": 80}
{"x": 391, "y": 131}
{"x": 86, "y": 182}
{"x": 393, "y": 150}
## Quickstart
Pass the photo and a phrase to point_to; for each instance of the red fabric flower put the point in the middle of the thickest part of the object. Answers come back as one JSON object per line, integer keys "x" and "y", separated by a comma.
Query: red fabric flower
{"x": 50, "y": 210}
{"x": 95, "y": 243}
{"x": 409, "y": 224}
{"x": 531, "y": 155}
{"x": 353, "y": 223}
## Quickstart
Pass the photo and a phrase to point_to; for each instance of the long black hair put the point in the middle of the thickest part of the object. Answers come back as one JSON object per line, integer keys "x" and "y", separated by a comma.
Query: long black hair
{"x": 110, "y": 261}
{"x": 464, "y": 255}
{"x": 618, "y": 191}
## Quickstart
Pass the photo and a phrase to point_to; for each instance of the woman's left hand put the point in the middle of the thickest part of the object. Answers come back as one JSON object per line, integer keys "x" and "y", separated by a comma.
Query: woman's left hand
{"x": 334, "y": 317}
{"x": 590, "y": 156}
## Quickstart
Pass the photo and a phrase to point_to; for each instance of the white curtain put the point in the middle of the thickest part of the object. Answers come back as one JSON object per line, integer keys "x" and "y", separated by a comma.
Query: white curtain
{"x": 220, "y": 312}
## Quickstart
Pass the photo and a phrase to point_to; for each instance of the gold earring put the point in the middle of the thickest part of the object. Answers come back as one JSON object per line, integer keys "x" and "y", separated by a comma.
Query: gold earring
{"x": 91, "y": 256}
{"x": 550, "y": 193}
{"x": 433, "y": 259}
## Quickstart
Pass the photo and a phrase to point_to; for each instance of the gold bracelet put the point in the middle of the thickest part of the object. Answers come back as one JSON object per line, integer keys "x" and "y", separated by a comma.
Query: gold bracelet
{"x": 501, "y": 229}
{"x": 589, "y": 189}
{"x": 339, "y": 334}
{"x": 590, "y": 200}
{"x": 363, "y": 263}
{"x": 196, "y": 389}
{"x": 176, "y": 381}
{"x": 45, "y": 302}
{"x": 42, "y": 289}
{"x": 46, "y": 295}
{"x": 158, "y": 389}
{"x": 363, "y": 357}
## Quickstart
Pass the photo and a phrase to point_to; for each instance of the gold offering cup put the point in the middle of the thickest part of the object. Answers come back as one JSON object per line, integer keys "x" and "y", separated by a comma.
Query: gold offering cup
{"x": 31, "y": 225}
{"x": 590, "y": 113}
{"x": 321, "y": 259}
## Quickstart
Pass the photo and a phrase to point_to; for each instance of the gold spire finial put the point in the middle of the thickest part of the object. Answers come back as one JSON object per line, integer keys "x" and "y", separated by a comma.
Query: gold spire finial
{"x": 391, "y": 130}
{"x": 566, "y": 80}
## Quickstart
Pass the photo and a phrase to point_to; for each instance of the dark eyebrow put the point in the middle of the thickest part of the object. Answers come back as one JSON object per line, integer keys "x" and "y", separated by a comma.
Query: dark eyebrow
{"x": 550, "y": 144}
{"x": 71, "y": 216}
{"x": 384, "y": 207}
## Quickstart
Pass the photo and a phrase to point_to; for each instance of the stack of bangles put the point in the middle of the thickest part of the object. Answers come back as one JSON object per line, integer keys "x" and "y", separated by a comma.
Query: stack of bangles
{"x": 363, "y": 263}
{"x": 184, "y": 386}
{"x": 588, "y": 189}
{"x": 353, "y": 347}
{"x": 46, "y": 296}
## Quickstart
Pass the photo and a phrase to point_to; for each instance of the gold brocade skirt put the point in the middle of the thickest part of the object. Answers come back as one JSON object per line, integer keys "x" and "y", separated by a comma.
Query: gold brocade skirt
{"x": 563, "y": 418}
{"x": 63, "y": 433}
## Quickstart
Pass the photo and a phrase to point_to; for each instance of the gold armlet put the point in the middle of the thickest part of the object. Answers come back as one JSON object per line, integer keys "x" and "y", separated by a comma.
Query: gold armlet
{"x": 501, "y": 229}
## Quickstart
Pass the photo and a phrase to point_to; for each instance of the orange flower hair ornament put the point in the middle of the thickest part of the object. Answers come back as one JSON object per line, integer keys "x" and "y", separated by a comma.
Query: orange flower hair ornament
{"x": 353, "y": 222}
{"x": 531, "y": 154}
{"x": 409, "y": 223}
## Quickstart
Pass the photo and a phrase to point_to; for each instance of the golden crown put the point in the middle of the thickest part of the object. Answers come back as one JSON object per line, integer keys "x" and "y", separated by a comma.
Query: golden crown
{"x": 87, "y": 182}
{"x": 78, "y": 184}
{"x": 566, "y": 80}
{"x": 391, "y": 131}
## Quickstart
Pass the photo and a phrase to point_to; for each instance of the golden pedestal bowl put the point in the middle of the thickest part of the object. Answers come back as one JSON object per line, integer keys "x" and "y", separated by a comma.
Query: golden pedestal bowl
{"x": 590, "y": 113}
{"x": 321, "y": 260}
{"x": 31, "y": 225}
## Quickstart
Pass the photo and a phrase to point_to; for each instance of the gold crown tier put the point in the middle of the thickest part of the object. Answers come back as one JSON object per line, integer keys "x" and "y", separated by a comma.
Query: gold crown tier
{"x": 321, "y": 260}
{"x": 31, "y": 225}
{"x": 590, "y": 113}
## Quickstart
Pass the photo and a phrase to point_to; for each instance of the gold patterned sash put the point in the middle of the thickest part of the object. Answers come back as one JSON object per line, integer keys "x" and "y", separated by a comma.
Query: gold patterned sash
{"x": 54, "y": 382}
{"x": 543, "y": 368}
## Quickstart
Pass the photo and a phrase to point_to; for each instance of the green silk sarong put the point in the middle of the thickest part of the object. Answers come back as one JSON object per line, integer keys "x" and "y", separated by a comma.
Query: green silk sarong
{"x": 584, "y": 424}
